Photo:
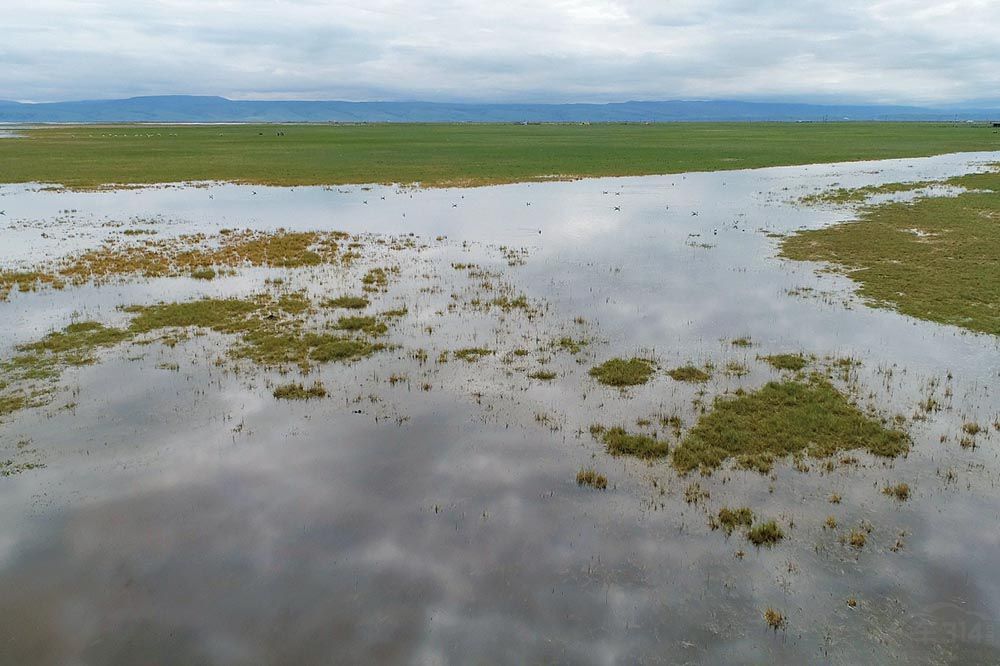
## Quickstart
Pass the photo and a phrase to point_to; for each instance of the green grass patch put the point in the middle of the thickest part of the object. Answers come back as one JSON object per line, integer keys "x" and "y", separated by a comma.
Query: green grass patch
{"x": 571, "y": 345}
{"x": 731, "y": 519}
{"x": 765, "y": 534}
{"x": 794, "y": 362}
{"x": 472, "y": 354}
{"x": 346, "y": 302}
{"x": 689, "y": 373}
{"x": 589, "y": 477}
{"x": 781, "y": 419}
{"x": 621, "y": 443}
{"x": 622, "y": 372}
{"x": 369, "y": 325}
{"x": 935, "y": 258}
{"x": 298, "y": 391}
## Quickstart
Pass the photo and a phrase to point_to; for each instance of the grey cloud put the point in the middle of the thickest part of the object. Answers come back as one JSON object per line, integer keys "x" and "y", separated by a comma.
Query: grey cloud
{"x": 899, "y": 51}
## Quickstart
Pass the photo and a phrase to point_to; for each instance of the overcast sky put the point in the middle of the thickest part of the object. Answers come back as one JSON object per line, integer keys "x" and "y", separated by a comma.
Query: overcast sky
{"x": 892, "y": 51}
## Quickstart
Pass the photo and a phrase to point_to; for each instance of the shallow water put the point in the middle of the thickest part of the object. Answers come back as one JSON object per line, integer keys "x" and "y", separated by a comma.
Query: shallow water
{"x": 187, "y": 516}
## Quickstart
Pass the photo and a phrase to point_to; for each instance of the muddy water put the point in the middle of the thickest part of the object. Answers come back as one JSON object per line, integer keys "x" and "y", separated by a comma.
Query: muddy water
{"x": 186, "y": 516}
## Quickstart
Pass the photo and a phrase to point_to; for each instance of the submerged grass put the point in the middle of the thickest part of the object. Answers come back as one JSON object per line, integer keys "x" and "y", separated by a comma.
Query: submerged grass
{"x": 781, "y": 419}
{"x": 29, "y": 377}
{"x": 269, "y": 333}
{"x": 846, "y": 195}
{"x": 195, "y": 255}
{"x": 934, "y": 258}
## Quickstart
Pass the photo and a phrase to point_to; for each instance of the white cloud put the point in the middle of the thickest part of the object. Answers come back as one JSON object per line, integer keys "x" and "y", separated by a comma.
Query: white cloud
{"x": 898, "y": 51}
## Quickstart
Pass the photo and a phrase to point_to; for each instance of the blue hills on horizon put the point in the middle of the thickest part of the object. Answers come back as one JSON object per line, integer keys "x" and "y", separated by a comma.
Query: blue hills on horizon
{"x": 209, "y": 109}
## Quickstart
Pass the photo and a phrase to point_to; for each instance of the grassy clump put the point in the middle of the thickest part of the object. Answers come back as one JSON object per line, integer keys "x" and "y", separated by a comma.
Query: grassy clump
{"x": 621, "y": 443}
{"x": 544, "y": 375}
{"x": 793, "y": 362}
{"x": 298, "y": 391}
{"x": 75, "y": 343}
{"x": 730, "y": 519}
{"x": 26, "y": 281}
{"x": 377, "y": 279}
{"x": 765, "y": 534}
{"x": 571, "y": 345}
{"x": 622, "y": 372}
{"x": 295, "y": 303}
{"x": 775, "y": 619}
{"x": 12, "y": 402}
{"x": 266, "y": 338}
{"x": 346, "y": 302}
{"x": 197, "y": 255}
{"x": 472, "y": 354}
{"x": 845, "y": 195}
{"x": 972, "y": 428}
{"x": 689, "y": 373}
{"x": 589, "y": 477}
{"x": 900, "y": 491}
{"x": 369, "y": 325}
{"x": 782, "y": 419}
{"x": 934, "y": 258}
{"x": 327, "y": 348}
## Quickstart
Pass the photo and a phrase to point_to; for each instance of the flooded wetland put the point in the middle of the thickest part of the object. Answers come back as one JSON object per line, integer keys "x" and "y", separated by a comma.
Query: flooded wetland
{"x": 679, "y": 418}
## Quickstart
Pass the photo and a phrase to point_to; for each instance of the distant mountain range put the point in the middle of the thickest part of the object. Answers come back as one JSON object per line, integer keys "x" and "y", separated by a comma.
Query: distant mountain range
{"x": 200, "y": 109}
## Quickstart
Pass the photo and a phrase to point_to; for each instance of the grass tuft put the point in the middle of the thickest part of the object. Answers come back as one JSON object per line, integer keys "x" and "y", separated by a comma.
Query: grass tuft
{"x": 900, "y": 491}
{"x": 730, "y": 519}
{"x": 765, "y": 534}
{"x": 346, "y": 302}
{"x": 621, "y": 443}
{"x": 689, "y": 373}
{"x": 622, "y": 372}
{"x": 297, "y": 391}
{"x": 589, "y": 477}
{"x": 794, "y": 362}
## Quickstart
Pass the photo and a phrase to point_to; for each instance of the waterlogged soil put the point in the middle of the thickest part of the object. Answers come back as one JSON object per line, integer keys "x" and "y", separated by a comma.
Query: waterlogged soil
{"x": 370, "y": 429}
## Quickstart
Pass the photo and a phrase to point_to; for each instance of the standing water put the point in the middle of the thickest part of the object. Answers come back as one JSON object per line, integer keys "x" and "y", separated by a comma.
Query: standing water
{"x": 168, "y": 508}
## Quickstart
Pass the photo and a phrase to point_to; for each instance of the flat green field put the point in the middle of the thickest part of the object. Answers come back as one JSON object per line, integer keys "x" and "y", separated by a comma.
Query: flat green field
{"x": 444, "y": 155}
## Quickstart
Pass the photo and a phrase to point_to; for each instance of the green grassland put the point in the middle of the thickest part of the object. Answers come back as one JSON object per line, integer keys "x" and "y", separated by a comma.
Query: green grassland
{"x": 937, "y": 258}
{"x": 444, "y": 155}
